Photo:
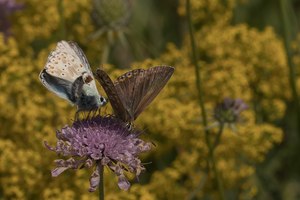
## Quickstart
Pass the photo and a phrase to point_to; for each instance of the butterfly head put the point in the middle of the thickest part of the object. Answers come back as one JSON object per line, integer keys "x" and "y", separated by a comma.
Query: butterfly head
{"x": 89, "y": 96}
{"x": 86, "y": 94}
{"x": 90, "y": 102}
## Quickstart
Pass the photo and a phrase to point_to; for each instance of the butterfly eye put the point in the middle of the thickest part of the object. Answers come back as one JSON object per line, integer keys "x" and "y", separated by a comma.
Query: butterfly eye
{"x": 102, "y": 100}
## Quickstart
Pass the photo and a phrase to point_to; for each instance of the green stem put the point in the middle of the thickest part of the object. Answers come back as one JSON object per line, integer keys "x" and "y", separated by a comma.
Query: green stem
{"x": 60, "y": 8}
{"x": 197, "y": 68}
{"x": 201, "y": 102}
{"x": 200, "y": 185}
{"x": 292, "y": 69}
{"x": 105, "y": 53}
{"x": 218, "y": 137}
{"x": 215, "y": 170}
{"x": 101, "y": 184}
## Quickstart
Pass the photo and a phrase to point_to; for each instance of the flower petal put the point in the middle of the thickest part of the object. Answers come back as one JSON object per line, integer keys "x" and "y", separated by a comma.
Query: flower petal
{"x": 123, "y": 183}
{"x": 94, "y": 180}
{"x": 57, "y": 171}
{"x": 48, "y": 146}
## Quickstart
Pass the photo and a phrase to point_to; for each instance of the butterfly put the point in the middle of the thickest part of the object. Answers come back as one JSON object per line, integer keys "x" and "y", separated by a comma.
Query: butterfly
{"x": 133, "y": 91}
{"x": 67, "y": 73}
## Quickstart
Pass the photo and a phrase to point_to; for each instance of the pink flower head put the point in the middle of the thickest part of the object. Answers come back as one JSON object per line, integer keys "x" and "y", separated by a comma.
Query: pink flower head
{"x": 100, "y": 140}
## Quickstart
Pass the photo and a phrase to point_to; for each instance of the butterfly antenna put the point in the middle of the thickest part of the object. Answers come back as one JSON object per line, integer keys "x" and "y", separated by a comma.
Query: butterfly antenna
{"x": 153, "y": 144}
{"x": 147, "y": 163}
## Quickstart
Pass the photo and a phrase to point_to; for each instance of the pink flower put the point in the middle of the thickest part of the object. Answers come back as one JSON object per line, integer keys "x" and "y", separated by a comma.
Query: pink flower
{"x": 100, "y": 140}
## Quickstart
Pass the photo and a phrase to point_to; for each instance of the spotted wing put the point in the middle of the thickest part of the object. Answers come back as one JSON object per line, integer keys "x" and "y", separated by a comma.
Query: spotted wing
{"x": 138, "y": 88}
{"x": 91, "y": 82}
{"x": 64, "y": 63}
{"x": 68, "y": 62}
{"x": 113, "y": 96}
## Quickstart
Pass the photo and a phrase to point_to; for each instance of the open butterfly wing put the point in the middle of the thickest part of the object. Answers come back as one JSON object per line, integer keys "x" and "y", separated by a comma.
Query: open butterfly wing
{"x": 138, "y": 88}
{"x": 113, "y": 96}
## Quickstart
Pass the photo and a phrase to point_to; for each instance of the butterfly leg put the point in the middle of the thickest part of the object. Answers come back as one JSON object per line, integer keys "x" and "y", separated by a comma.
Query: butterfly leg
{"x": 77, "y": 114}
{"x": 89, "y": 114}
{"x": 92, "y": 112}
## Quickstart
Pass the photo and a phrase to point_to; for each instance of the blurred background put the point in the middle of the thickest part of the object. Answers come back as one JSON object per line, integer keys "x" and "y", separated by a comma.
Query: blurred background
{"x": 246, "y": 50}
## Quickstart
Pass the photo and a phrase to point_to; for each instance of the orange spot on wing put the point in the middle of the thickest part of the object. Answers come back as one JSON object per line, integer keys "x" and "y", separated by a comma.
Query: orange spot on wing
{"x": 88, "y": 79}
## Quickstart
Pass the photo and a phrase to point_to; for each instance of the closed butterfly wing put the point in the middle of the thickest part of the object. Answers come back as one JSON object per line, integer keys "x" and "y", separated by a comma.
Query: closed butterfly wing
{"x": 125, "y": 86}
{"x": 138, "y": 88}
{"x": 153, "y": 81}
{"x": 113, "y": 96}
{"x": 56, "y": 85}
{"x": 64, "y": 63}
{"x": 67, "y": 63}
{"x": 78, "y": 51}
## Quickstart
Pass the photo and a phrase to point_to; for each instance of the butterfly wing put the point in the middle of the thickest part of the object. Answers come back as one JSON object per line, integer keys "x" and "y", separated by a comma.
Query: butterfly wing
{"x": 113, "y": 96}
{"x": 125, "y": 86}
{"x": 68, "y": 62}
{"x": 57, "y": 85}
{"x": 153, "y": 81}
{"x": 138, "y": 88}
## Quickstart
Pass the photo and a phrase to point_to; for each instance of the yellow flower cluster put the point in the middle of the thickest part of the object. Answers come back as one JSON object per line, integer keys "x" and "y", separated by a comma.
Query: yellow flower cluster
{"x": 178, "y": 128}
{"x": 241, "y": 61}
{"x": 213, "y": 11}
{"x": 236, "y": 61}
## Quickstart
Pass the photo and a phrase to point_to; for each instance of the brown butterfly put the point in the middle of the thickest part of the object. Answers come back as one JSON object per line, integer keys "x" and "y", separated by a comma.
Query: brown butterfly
{"x": 132, "y": 92}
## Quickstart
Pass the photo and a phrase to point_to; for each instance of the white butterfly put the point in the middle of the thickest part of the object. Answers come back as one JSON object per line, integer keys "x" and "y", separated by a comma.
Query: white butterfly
{"x": 67, "y": 73}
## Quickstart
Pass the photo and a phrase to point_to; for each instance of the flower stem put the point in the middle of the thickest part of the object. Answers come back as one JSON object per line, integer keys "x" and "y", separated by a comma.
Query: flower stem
{"x": 105, "y": 53}
{"x": 62, "y": 28}
{"x": 197, "y": 67}
{"x": 292, "y": 68}
{"x": 201, "y": 102}
{"x": 218, "y": 137}
{"x": 101, "y": 184}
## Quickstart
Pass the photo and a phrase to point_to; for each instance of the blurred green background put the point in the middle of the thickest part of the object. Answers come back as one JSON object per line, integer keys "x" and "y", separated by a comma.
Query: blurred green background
{"x": 246, "y": 49}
